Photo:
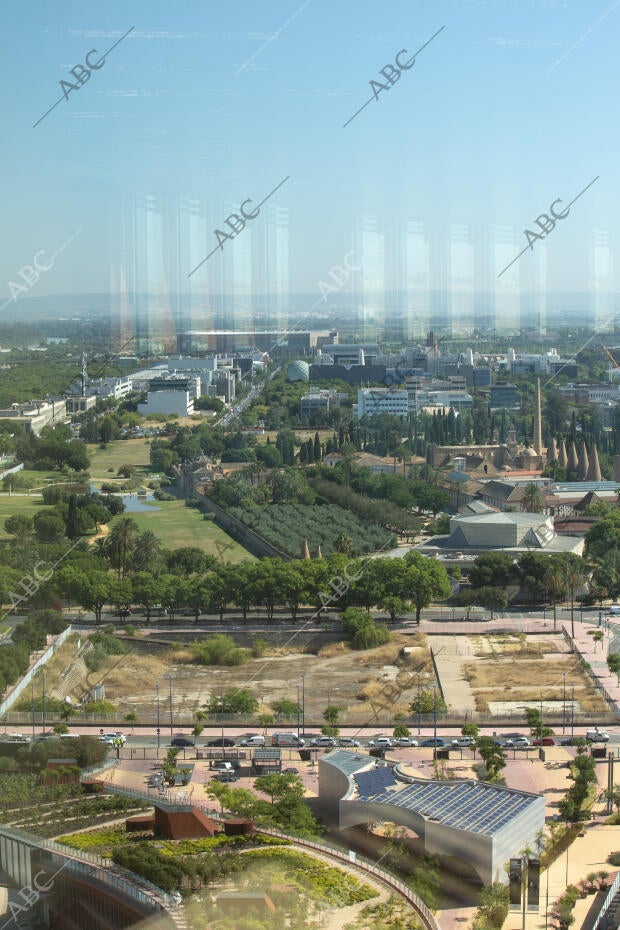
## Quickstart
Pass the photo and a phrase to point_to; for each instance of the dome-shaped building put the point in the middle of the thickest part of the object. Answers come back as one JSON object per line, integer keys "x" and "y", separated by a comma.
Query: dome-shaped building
{"x": 298, "y": 371}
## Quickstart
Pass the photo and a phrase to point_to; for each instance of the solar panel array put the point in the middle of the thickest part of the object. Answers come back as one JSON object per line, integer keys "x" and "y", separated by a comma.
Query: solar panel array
{"x": 374, "y": 781}
{"x": 266, "y": 755}
{"x": 465, "y": 806}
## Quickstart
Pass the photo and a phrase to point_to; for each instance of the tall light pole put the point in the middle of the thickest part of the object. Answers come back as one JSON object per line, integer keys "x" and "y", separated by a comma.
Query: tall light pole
{"x": 32, "y": 686}
{"x": 572, "y": 716}
{"x": 43, "y": 674}
{"x": 435, "y": 719}
{"x": 222, "y": 720}
{"x": 303, "y": 703}
{"x": 419, "y": 705}
{"x": 170, "y": 677}
{"x": 158, "y": 719}
{"x": 298, "y": 713}
{"x": 564, "y": 705}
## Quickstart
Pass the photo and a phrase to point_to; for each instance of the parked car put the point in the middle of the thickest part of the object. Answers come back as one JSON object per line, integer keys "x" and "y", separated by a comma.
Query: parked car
{"x": 437, "y": 742}
{"x": 463, "y": 742}
{"x": 381, "y": 742}
{"x": 221, "y": 741}
{"x": 405, "y": 741}
{"x": 597, "y": 736}
{"x": 184, "y": 741}
{"x": 222, "y": 765}
{"x": 348, "y": 741}
{"x": 571, "y": 741}
{"x": 290, "y": 771}
{"x": 253, "y": 741}
{"x": 325, "y": 741}
{"x": 543, "y": 741}
{"x": 225, "y": 776}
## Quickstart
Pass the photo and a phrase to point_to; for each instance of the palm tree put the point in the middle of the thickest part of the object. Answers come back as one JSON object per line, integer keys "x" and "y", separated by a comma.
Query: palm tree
{"x": 343, "y": 544}
{"x": 533, "y": 500}
{"x": 575, "y": 577}
{"x": 121, "y": 542}
{"x": 554, "y": 582}
{"x": 147, "y": 552}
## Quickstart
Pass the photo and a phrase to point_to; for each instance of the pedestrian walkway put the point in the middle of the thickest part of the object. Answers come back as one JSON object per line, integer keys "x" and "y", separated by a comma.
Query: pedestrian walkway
{"x": 595, "y": 654}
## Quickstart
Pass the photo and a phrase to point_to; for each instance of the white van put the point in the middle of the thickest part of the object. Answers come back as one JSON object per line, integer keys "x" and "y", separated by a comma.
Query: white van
{"x": 253, "y": 741}
{"x": 597, "y": 736}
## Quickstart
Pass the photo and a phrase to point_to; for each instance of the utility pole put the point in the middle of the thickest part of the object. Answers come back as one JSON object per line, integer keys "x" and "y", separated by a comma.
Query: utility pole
{"x": 298, "y": 716}
{"x": 43, "y": 674}
{"x": 158, "y": 719}
{"x": 419, "y": 705}
{"x": 564, "y": 705}
{"x": 170, "y": 677}
{"x": 572, "y": 716}
{"x": 303, "y": 703}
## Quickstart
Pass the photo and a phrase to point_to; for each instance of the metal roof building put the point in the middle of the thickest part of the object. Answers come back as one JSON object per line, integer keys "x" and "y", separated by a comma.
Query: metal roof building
{"x": 482, "y": 823}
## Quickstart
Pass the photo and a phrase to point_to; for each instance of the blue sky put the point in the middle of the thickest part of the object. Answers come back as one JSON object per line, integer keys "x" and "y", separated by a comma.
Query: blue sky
{"x": 498, "y": 117}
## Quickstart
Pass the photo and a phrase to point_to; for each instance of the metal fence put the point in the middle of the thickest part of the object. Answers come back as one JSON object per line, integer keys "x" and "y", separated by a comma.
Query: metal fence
{"x": 32, "y": 671}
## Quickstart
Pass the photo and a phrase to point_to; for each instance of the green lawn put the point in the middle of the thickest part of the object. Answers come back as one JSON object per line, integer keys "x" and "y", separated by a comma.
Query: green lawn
{"x": 177, "y": 525}
{"x": 17, "y": 504}
{"x": 39, "y": 479}
{"x": 122, "y": 452}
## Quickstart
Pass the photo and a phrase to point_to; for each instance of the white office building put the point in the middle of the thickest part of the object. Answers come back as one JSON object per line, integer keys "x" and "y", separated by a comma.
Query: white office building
{"x": 372, "y": 402}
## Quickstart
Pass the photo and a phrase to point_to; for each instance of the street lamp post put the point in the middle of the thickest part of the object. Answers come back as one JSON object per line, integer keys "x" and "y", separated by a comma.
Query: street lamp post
{"x": 222, "y": 719}
{"x": 158, "y": 719}
{"x": 572, "y": 716}
{"x": 419, "y": 706}
{"x": 564, "y": 705}
{"x": 170, "y": 677}
{"x": 435, "y": 720}
{"x": 43, "y": 698}
{"x": 298, "y": 716}
{"x": 544, "y": 603}
{"x": 32, "y": 706}
{"x": 303, "y": 703}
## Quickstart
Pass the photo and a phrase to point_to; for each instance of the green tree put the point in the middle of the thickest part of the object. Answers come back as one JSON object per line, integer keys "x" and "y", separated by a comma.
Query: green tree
{"x": 533, "y": 500}
{"x": 492, "y": 569}
{"x": 426, "y": 580}
{"x": 285, "y": 707}
{"x": 72, "y": 521}
{"x": 534, "y": 721}
{"x": 233, "y": 701}
{"x": 493, "y": 905}
{"x": 493, "y": 756}
{"x": 613, "y": 664}
{"x": 492, "y": 599}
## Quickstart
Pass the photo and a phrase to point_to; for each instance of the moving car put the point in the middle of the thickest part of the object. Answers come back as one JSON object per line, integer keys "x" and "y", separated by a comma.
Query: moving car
{"x": 184, "y": 741}
{"x": 348, "y": 741}
{"x": 463, "y": 742}
{"x": 326, "y": 741}
{"x": 381, "y": 742}
{"x": 253, "y": 741}
{"x": 517, "y": 742}
{"x": 221, "y": 741}
{"x": 597, "y": 736}
{"x": 543, "y": 741}
{"x": 405, "y": 741}
{"x": 434, "y": 741}
{"x": 115, "y": 736}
